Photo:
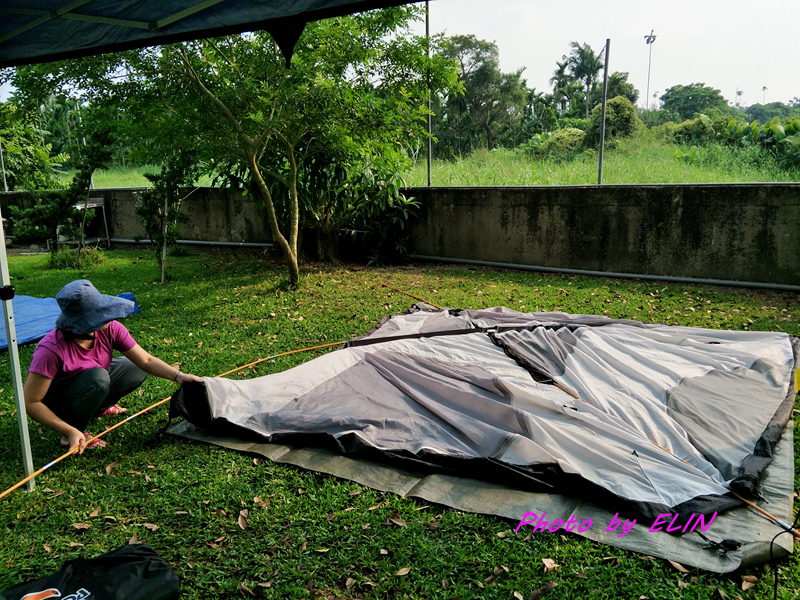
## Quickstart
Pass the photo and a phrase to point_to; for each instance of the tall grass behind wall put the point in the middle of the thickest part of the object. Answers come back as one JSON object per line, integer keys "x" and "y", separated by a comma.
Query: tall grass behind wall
{"x": 641, "y": 160}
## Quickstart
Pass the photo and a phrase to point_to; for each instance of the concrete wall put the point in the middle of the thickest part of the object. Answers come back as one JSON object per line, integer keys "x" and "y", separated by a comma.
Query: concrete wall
{"x": 214, "y": 215}
{"x": 745, "y": 232}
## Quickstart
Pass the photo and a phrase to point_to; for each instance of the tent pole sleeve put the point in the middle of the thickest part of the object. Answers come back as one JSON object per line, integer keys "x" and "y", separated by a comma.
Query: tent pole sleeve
{"x": 13, "y": 354}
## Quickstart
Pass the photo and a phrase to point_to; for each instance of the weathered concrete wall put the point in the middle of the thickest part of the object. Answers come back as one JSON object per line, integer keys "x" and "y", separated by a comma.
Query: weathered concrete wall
{"x": 745, "y": 232}
{"x": 214, "y": 215}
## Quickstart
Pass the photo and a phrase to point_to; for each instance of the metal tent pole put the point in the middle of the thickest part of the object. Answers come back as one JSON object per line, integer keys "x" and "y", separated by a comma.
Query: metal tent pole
{"x": 6, "y": 294}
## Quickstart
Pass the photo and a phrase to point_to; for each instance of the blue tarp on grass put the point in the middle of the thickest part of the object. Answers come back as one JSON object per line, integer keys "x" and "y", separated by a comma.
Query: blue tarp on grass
{"x": 35, "y": 317}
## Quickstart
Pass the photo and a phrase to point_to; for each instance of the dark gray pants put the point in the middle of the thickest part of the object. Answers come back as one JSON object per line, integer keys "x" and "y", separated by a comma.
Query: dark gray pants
{"x": 81, "y": 398}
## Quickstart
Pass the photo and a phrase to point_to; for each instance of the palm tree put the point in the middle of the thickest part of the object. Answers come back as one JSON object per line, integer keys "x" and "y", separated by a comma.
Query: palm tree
{"x": 585, "y": 66}
{"x": 560, "y": 81}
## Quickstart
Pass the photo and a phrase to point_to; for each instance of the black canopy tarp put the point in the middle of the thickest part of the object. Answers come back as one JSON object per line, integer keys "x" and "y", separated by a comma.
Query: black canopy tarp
{"x": 36, "y": 31}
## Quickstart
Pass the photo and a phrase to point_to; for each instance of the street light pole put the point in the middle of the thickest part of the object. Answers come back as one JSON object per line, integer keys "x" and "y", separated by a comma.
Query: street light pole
{"x": 649, "y": 39}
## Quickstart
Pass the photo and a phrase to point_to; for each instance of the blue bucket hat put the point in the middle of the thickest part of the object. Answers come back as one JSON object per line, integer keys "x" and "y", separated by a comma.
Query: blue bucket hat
{"x": 84, "y": 309}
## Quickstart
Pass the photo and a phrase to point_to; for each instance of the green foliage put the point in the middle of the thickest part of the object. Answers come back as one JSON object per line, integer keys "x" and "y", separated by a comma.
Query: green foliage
{"x": 617, "y": 85}
{"x": 621, "y": 121}
{"x": 698, "y": 130}
{"x": 29, "y": 162}
{"x": 159, "y": 208}
{"x": 691, "y": 99}
{"x": 562, "y": 144}
{"x": 486, "y": 102}
{"x": 585, "y": 67}
{"x": 654, "y": 118}
{"x": 577, "y": 123}
{"x": 54, "y": 212}
{"x": 65, "y": 258}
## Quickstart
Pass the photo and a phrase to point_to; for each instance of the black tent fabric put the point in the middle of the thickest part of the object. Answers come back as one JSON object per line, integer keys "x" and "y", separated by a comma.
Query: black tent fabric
{"x": 650, "y": 419}
{"x": 36, "y": 31}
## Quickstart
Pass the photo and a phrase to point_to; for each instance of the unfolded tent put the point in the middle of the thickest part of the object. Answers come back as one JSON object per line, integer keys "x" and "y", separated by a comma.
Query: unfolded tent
{"x": 644, "y": 419}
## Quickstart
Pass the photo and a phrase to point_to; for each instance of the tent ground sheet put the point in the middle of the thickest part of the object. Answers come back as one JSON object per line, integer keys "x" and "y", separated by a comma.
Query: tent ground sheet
{"x": 744, "y": 525}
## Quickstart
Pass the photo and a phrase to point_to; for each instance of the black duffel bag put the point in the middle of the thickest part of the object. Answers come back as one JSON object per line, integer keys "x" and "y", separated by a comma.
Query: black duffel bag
{"x": 132, "y": 572}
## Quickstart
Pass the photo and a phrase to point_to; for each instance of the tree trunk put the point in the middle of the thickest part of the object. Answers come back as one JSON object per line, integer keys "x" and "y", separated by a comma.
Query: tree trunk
{"x": 289, "y": 252}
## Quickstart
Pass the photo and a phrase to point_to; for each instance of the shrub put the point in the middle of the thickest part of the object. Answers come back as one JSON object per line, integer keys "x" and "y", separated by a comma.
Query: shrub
{"x": 621, "y": 121}
{"x": 561, "y": 144}
{"x": 65, "y": 258}
{"x": 699, "y": 130}
{"x": 582, "y": 124}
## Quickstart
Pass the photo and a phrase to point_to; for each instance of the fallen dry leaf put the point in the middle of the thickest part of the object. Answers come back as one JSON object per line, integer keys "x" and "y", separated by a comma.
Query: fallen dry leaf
{"x": 242, "y": 520}
{"x": 266, "y": 584}
{"x": 303, "y": 546}
{"x": 47, "y": 548}
{"x": 168, "y": 342}
{"x": 349, "y": 583}
{"x": 95, "y": 512}
{"x": 322, "y": 550}
{"x": 74, "y": 544}
{"x": 48, "y": 490}
{"x": 683, "y": 585}
{"x": 150, "y": 526}
{"x": 110, "y": 519}
{"x": 679, "y": 566}
{"x": 518, "y": 596}
{"x": 257, "y": 500}
{"x": 81, "y": 525}
{"x": 140, "y": 392}
{"x": 404, "y": 571}
{"x": 445, "y": 583}
{"x": 246, "y": 590}
{"x": 750, "y": 578}
{"x": 746, "y": 585}
{"x": 355, "y": 492}
{"x": 694, "y": 580}
{"x": 549, "y": 565}
{"x": 181, "y": 512}
{"x": 134, "y": 539}
{"x": 111, "y": 467}
{"x": 330, "y": 517}
{"x": 722, "y": 594}
{"x": 397, "y": 521}
{"x": 501, "y": 535}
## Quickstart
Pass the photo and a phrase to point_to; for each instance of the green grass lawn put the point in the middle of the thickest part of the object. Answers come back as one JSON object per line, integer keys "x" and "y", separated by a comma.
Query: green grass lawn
{"x": 311, "y": 535}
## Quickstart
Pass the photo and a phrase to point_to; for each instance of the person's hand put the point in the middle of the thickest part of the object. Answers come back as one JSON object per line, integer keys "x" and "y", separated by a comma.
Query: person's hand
{"x": 76, "y": 438}
{"x": 186, "y": 378}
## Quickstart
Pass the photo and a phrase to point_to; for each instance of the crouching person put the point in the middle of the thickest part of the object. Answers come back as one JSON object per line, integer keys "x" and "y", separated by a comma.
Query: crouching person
{"x": 73, "y": 377}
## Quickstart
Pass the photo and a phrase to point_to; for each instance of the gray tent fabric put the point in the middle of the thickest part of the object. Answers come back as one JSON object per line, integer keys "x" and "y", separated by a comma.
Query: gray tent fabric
{"x": 652, "y": 419}
{"x": 35, "y": 31}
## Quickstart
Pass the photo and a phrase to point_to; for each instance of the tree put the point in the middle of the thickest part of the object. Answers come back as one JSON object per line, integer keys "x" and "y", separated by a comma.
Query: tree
{"x": 29, "y": 162}
{"x": 691, "y": 99}
{"x": 618, "y": 85}
{"x": 584, "y": 66}
{"x": 491, "y": 102}
{"x": 353, "y": 96}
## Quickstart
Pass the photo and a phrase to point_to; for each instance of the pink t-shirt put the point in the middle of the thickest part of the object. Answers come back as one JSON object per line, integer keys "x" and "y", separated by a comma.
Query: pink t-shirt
{"x": 58, "y": 358}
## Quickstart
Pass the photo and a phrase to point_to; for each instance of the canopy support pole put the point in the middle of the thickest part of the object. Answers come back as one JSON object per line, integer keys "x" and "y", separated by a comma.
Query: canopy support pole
{"x": 6, "y": 294}
{"x": 603, "y": 115}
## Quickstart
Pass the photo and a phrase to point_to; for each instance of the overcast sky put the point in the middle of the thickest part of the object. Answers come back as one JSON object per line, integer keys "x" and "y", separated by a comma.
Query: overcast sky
{"x": 726, "y": 44}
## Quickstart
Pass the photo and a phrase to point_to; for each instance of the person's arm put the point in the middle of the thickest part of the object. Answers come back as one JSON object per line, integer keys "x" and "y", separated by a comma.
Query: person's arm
{"x": 34, "y": 391}
{"x": 155, "y": 366}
